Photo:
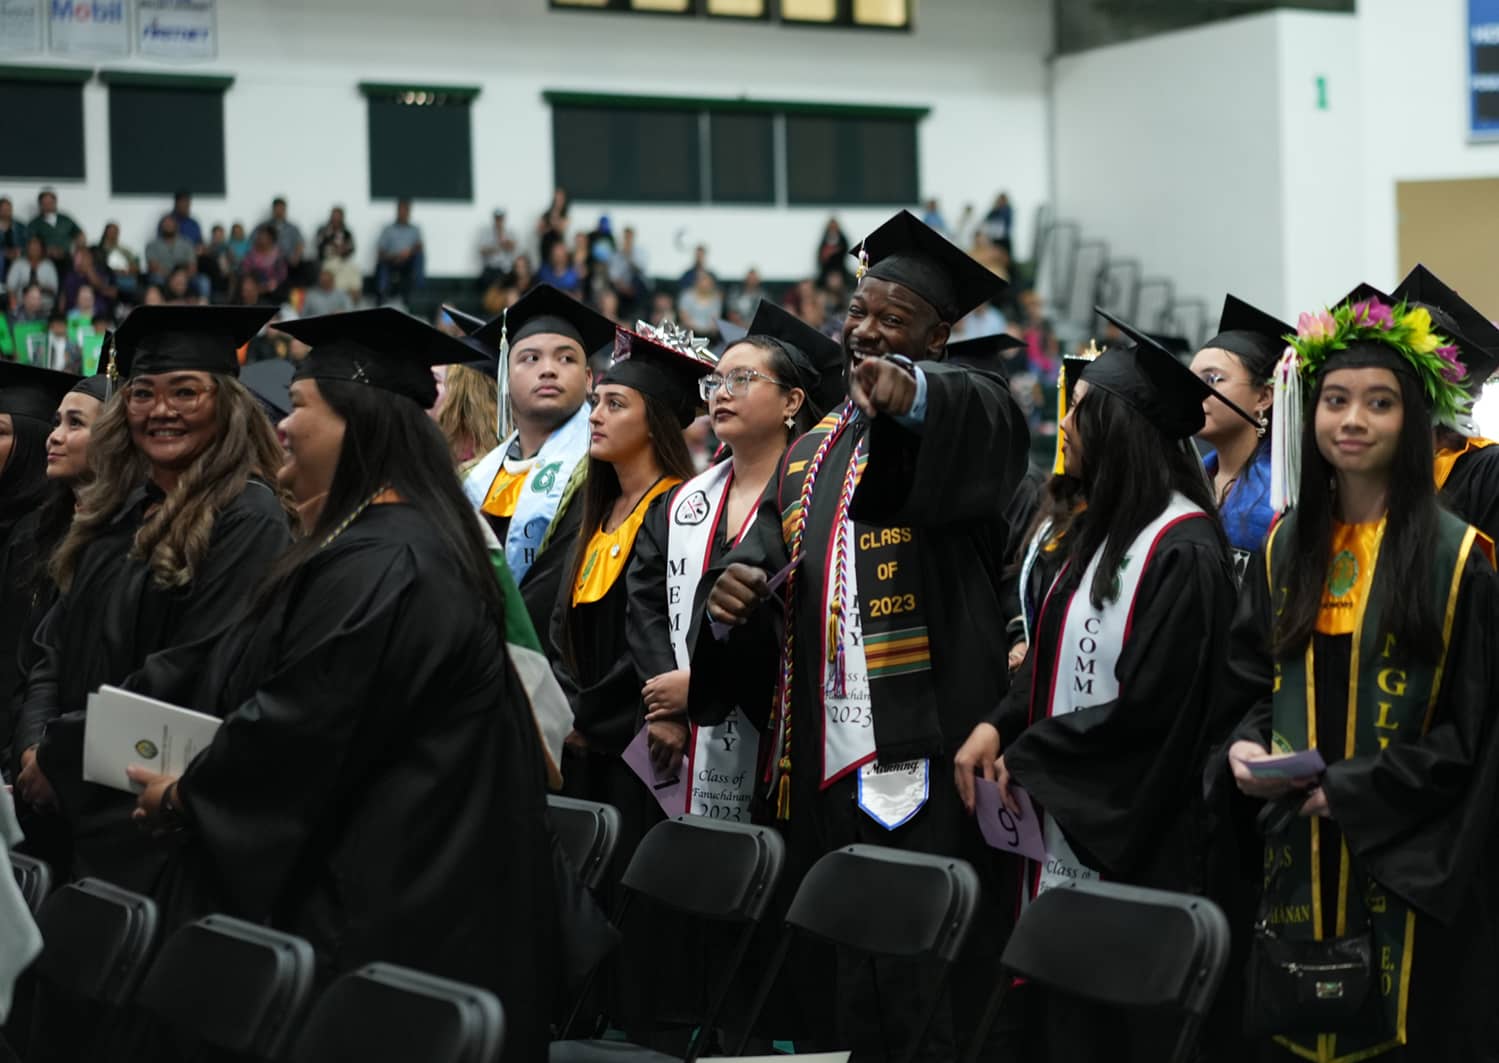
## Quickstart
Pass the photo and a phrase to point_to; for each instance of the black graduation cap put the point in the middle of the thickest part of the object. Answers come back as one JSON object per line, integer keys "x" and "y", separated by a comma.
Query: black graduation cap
{"x": 467, "y": 322}
{"x": 168, "y": 339}
{"x": 1072, "y": 371}
{"x": 383, "y": 347}
{"x": 270, "y": 382}
{"x": 818, "y": 359}
{"x": 1154, "y": 382}
{"x": 1255, "y": 337}
{"x": 912, "y": 254}
{"x": 1365, "y": 291}
{"x": 550, "y": 310}
{"x": 1177, "y": 346}
{"x": 982, "y": 352}
{"x": 728, "y": 335}
{"x": 665, "y": 365}
{"x": 1466, "y": 325}
{"x": 31, "y": 391}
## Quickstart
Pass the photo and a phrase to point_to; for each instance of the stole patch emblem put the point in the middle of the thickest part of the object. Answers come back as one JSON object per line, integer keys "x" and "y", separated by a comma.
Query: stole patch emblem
{"x": 1342, "y": 574}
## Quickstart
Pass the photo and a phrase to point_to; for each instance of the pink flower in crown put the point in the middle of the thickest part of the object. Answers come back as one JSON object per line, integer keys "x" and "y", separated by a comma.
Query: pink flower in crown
{"x": 1453, "y": 370}
{"x": 1374, "y": 313}
{"x": 1318, "y": 326}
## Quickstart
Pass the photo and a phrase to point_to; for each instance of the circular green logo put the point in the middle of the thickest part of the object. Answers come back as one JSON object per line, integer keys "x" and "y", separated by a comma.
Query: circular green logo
{"x": 146, "y": 748}
{"x": 1342, "y": 574}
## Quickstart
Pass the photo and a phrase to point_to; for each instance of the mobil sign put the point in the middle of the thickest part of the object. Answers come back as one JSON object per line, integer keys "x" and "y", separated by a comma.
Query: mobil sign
{"x": 88, "y": 27}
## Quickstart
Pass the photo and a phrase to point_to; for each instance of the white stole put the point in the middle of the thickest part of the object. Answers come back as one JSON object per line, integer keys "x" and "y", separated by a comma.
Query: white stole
{"x": 1086, "y": 671}
{"x": 547, "y": 475}
{"x": 721, "y": 758}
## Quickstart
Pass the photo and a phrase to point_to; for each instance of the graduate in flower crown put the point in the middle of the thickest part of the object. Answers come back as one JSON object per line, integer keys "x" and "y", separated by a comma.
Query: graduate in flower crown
{"x": 1367, "y": 637}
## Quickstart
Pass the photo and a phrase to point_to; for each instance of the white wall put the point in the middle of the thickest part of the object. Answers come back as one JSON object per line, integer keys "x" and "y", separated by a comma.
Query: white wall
{"x": 1414, "y": 121}
{"x": 1169, "y": 149}
{"x": 295, "y": 121}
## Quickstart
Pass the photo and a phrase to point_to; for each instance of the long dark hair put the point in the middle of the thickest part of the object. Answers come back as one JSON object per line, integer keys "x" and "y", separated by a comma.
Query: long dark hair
{"x": 390, "y": 442}
{"x": 1410, "y": 529}
{"x": 24, "y": 477}
{"x": 1059, "y": 502}
{"x": 1130, "y": 471}
{"x": 53, "y": 518}
{"x": 601, "y": 490}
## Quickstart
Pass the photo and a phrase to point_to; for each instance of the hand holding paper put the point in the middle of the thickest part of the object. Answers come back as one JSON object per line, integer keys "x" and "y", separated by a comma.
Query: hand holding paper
{"x": 1006, "y": 830}
{"x": 721, "y": 629}
{"x": 122, "y": 729}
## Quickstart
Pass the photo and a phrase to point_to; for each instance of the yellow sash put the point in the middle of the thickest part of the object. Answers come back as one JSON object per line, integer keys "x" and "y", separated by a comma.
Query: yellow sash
{"x": 1447, "y": 459}
{"x": 505, "y": 490}
{"x": 1355, "y": 548}
{"x": 609, "y": 552}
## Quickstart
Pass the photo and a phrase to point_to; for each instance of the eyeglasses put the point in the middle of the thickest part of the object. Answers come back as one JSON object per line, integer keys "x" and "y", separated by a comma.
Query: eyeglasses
{"x": 179, "y": 398}
{"x": 734, "y": 382}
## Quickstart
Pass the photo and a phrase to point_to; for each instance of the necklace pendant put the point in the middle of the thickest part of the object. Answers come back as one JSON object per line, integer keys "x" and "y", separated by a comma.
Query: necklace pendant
{"x": 614, "y": 550}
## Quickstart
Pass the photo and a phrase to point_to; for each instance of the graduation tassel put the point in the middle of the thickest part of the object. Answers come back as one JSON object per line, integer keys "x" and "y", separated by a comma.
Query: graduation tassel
{"x": 1059, "y": 466}
{"x": 1285, "y": 433}
{"x": 111, "y": 370}
{"x": 505, "y": 420}
{"x": 783, "y": 787}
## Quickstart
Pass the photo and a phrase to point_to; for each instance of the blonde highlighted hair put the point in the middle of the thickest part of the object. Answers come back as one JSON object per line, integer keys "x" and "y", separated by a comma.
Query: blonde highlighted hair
{"x": 174, "y": 539}
{"x": 469, "y": 413}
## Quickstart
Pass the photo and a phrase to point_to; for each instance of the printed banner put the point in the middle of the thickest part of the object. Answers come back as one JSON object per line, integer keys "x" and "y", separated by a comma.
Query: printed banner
{"x": 1483, "y": 69}
{"x": 20, "y": 26}
{"x": 176, "y": 29}
{"x": 88, "y": 27}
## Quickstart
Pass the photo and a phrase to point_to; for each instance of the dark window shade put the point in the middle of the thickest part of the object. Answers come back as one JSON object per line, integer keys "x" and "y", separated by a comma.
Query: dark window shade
{"x": 849, "y": 160}
{"x": 1486, "y": 107}
{"x": 743, "y": 158}
{"x": 1486, "y": 59}
{"x": 616, "y": 155}
{"x": 162, "y": 139}
{"x": 43, "y": 128}
{"x": 420, "y": 151}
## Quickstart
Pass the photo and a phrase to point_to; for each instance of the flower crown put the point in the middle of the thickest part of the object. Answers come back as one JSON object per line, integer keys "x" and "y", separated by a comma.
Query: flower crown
{"x": 1403, "y": 328}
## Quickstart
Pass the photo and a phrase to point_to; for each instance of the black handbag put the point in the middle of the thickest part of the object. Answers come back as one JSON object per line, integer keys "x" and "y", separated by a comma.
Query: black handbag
{"x": 1304, "y": 987}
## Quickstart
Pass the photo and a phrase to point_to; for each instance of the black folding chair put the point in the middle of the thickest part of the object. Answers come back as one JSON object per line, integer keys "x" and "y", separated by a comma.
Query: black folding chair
{"x": 882, "y": 902}
{"x": 387, "y": 1013}
{"x": 96, "y": 941}
{"x": 230, "y": 984}
{"x": 708, "y": 869}
{"x": 589, "y": 833}
{"x": 1122, "y": 946}
{"x": 34, "y": 879}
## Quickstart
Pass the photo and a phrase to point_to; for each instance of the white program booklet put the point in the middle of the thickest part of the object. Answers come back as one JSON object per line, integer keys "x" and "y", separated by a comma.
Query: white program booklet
{"x": 124, "y": 728}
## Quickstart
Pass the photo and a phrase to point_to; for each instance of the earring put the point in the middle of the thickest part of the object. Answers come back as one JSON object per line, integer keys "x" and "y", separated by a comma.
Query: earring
{"x": 1263, "y": 426}
{"x": 790, "y": 423}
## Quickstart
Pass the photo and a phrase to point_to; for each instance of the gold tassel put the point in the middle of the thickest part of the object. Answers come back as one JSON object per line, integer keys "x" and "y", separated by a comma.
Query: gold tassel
{"x": 1059, "y": 466}
{"x": 783, "y": 790}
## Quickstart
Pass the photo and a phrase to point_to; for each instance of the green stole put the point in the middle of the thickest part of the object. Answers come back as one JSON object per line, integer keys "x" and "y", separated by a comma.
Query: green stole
{"x": 1388, "y": 701}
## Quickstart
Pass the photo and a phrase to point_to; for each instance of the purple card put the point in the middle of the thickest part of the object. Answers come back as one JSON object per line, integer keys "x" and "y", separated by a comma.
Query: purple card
{"x": 1003, "y": 829}
{"x": 721, "y": 630}
{"x": 1304, "y": 765}
{"x": 670, "y": 792}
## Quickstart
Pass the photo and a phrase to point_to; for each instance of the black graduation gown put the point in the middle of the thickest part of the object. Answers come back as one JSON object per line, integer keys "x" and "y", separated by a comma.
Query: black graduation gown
{"x": 1120, "y": 778}
{"x": 1419, "y": 817}
{"x": 952, "y": 480}
{"x": 378, "y": 785}
{"x": 1472, "y": 490}
{"x": 103, "y": 629}
{"x": 22, "y": 606}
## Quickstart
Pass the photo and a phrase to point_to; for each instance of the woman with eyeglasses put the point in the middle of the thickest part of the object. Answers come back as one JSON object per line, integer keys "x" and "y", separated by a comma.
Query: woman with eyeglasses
{"x": 177, "y": 527}
{"x": 769, "y": 388}
{"x": 1238, "y": 362}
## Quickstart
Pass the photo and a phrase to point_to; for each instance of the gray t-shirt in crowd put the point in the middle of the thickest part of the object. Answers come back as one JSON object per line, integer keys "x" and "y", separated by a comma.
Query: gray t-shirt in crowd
{"x": 169, "y": 254}
{"x": 395, "y": 238}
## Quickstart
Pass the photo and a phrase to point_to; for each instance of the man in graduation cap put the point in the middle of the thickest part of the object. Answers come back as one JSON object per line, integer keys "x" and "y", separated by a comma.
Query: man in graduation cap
{"x": 544, "y": 342}
{"x": 886, "y": 514}
{"x": 1467, "y": 464}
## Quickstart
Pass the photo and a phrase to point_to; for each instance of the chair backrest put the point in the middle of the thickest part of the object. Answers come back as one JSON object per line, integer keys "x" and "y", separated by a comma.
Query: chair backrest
{"x": 33, "y": 878}
{"x": 96, "y": 939}
{"x": 708, "y": 868}
{"x": 886, "y": 902}
{"x": 589, "y": 833}
{"x": 1122, "y": 945}
{"x": 387, "y": 1012}
{"x": 231, "y": 984}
